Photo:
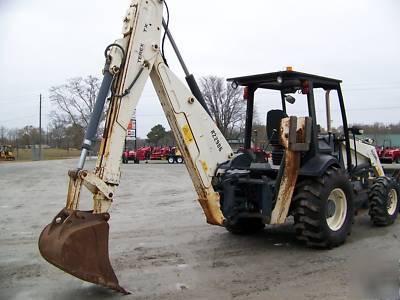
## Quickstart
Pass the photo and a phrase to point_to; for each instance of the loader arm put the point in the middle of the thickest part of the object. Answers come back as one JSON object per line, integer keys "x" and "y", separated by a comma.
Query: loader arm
{"x": 77, "y": 241}
{"x": 363, "y": 153}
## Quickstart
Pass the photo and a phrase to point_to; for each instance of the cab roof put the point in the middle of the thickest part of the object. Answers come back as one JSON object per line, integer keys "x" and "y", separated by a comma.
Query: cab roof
{"x": 285, "y": 81}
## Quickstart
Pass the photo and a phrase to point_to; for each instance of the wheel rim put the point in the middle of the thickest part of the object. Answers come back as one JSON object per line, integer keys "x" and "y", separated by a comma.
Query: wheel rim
{"x": 170, "y": 160}
{"x": 179, "y": 160}
{"x": 336, "y": 211}
{"x": 392, "y": 202}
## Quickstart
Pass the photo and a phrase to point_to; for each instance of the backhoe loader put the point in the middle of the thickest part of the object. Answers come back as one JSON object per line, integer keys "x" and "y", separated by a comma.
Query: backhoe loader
{"x": 6, "y": 152}
{"x": 319, "y": 178}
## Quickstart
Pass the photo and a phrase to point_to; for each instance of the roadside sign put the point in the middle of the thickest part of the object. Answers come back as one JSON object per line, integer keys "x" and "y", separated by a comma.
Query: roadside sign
{"x": 131, "y": 131}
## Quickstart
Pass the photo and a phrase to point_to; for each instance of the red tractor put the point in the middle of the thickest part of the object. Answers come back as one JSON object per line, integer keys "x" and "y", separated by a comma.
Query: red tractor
{"x": 129, "y": 155}
{"x": 159, "y": 153}
{"x": 260, "y": 154}
{"x": 388, "y": 154}
{"x": 171, "y": 154}
{"x": 142, "y": 153}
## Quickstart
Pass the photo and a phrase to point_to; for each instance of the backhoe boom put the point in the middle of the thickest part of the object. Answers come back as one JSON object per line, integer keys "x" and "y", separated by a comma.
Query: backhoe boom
{"x": 129, "y": 63}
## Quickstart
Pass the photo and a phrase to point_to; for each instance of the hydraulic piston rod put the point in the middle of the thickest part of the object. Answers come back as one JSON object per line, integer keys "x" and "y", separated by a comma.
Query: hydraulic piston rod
{"x": 191, "y": 81}
{"x": 96, "y": 116}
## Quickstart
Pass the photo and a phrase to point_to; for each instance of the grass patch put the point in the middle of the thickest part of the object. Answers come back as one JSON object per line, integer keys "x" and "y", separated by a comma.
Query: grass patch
{"x": 47, "y": 154}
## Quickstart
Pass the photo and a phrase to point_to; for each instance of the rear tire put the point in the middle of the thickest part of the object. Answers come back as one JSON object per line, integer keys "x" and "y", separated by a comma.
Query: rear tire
{"x": 323, "y": 209}
{"x": 171, "y": 160}
{"x": 245, "y": 226}
{"x": 179, "y": 160}
{"x": 383, "y": 201}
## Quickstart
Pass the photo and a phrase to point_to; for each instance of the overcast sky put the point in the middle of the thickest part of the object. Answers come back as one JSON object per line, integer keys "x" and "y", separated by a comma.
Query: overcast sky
{"x": 45, "y": 42}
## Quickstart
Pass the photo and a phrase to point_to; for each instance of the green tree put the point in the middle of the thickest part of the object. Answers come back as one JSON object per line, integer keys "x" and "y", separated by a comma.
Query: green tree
{"x": 156, "y": 134}
{"x": 168, "y": 139}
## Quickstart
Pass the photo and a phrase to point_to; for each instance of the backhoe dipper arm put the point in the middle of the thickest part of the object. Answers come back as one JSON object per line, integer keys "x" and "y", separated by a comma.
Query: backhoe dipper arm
{"x": 199, "y": 140}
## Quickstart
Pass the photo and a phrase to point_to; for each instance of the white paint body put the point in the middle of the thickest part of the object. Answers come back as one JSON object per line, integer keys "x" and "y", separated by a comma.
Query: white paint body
{"x": 199, "y": 139}
{"x": 364, "y": 153}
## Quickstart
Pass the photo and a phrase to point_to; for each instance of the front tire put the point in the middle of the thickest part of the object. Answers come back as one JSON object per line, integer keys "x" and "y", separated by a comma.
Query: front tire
{"x": 179, "y": 160}
{"x": 383, "y": 201}
{"x": 323, "y": 209}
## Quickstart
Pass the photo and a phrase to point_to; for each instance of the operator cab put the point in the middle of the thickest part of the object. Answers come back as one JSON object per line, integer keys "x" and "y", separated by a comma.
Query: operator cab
{"x": 288, "y": 83}
{"x": 249, "y": 188}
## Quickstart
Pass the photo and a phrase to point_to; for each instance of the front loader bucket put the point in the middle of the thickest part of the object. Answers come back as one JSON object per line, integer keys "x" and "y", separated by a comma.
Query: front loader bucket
{"x": 77, "y": 243}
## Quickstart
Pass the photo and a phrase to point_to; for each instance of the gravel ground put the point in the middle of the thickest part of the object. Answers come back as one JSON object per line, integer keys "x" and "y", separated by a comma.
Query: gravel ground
{"x": 162, "y": 248}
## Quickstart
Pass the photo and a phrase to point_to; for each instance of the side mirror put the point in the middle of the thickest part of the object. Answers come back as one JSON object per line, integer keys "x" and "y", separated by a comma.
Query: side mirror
{"x": 290, "y": 99}
{"x": 369, "y": 141}
{"x": 356, "y": 131}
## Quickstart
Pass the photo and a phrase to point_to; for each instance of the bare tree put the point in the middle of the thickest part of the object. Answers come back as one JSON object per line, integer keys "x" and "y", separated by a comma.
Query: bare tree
{"x": 3, "y": 132}
{"x": 75, "y": 100}
{"x": 12, "y": 136}
{"x": 28, "y": 135}
{"x": 57, "y": 128}
{"x": 225, "y": 103}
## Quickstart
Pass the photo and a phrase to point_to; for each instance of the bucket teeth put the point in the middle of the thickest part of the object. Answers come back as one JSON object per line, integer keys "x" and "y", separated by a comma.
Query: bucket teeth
{"x": 77, "y": 243}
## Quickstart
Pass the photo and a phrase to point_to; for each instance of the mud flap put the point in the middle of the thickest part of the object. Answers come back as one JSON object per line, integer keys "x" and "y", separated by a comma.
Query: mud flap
{"x": 77, "y": 243}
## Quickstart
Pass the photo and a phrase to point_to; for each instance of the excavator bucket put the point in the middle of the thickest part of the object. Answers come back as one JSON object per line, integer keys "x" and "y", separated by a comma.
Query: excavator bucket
{"x": 77, "y": 243}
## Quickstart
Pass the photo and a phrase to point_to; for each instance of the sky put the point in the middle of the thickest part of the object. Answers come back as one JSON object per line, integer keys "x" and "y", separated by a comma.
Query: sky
{"x": 46, "y": 42}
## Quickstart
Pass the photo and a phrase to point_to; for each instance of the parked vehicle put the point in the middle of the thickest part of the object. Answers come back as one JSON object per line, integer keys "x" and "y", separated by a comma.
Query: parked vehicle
{"x": 6, "y": 153}
{"x": 260, "y": 154}
{"x": 175, "y": 156}
{"x": 129, "y": 155}
{"x": 170, "y": 154}
{"x": 159, "y": 153}
{"x": 388, "y": 154}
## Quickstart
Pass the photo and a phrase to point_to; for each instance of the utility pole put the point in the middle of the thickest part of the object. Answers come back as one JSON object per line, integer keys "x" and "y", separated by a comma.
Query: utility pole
{"x": 40, "y": 127}
{"x": 135, "y": 132}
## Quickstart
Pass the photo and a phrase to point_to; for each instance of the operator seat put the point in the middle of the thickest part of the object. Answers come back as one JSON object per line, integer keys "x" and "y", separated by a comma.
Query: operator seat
{"x": 274, "y": 118}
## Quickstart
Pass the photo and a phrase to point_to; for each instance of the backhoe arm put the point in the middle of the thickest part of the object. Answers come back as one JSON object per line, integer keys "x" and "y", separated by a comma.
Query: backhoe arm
{"x": 129, "y": 63}
{"x": 200, "y": 141}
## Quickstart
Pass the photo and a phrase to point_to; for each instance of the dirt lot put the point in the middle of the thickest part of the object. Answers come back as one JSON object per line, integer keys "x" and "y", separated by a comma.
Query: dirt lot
{"x": 161, "y": 247}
